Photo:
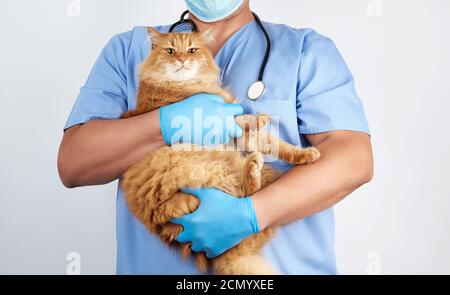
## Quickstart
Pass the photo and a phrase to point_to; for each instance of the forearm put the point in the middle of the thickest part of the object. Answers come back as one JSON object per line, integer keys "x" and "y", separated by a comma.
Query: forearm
{"x": 100, "y": 151}
{"x": 345, "y": 164}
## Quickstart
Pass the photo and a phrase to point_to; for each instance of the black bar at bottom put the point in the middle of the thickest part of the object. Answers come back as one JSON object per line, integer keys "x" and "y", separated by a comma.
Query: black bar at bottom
{"x": 223, "y": 284}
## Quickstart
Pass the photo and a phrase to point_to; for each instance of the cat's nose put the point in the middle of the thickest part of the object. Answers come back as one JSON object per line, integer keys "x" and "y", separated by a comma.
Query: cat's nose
{"x": 182, "y": 59}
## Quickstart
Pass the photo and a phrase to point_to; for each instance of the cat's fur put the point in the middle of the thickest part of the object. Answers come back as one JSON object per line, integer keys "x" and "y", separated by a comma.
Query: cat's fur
{"x": 152, "y": 185}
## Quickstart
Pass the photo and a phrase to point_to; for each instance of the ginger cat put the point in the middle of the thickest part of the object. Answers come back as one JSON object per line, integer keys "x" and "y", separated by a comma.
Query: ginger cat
{"x": 151, "y": 186}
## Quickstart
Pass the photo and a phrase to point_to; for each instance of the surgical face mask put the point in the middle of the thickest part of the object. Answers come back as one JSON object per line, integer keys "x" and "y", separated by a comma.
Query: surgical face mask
{"x": 213, "y": 10}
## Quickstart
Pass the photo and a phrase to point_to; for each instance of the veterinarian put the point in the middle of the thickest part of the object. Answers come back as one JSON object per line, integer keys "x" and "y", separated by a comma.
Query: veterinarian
{"x": 309, "y": 92}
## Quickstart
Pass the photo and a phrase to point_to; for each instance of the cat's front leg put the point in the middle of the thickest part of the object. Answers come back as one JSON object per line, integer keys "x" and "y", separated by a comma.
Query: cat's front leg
{"x": 227, "y": 96}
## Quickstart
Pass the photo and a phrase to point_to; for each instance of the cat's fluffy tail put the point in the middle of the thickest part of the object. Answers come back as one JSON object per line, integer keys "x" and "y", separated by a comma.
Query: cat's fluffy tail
{"x": 243, "y": 265}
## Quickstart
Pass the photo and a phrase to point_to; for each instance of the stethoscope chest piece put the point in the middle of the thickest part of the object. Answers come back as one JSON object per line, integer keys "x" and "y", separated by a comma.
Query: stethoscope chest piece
{"x": 256, "y": 90}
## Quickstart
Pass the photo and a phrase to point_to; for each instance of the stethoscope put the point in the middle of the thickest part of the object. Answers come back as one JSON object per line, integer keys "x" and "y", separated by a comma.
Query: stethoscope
{"x": 257, "y": 89}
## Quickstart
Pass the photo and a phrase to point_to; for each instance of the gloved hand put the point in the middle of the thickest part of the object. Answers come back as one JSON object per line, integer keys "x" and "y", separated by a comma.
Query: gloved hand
{"x": 219, "y": 223}
{"x": 199, "y": 115}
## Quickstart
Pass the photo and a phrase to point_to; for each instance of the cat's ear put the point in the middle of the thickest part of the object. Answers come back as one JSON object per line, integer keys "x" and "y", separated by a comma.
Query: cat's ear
{"x": 207, "y": 36}
{"x": 154, "y": 35}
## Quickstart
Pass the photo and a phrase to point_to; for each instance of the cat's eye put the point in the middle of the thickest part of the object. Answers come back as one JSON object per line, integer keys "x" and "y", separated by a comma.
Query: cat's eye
{"x": 193, "y": 50}
{"x": 170, "y": 50}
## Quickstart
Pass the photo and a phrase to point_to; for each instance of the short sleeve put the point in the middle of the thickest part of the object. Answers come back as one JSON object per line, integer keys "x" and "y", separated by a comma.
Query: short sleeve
{"x": 326, "y": 95}
{"x": 104, "y": 95}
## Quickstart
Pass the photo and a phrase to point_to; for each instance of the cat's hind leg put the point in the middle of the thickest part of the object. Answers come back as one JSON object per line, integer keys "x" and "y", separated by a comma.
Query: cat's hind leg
{"x": 255, "y": 139}
{"x": 246, "y": 264}
{"x": 270, "y": 145}
{"x": 294, "y": 154}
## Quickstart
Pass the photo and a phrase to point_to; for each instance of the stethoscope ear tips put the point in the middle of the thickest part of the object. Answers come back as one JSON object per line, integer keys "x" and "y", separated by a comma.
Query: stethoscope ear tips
{"x": 256, "y": 90}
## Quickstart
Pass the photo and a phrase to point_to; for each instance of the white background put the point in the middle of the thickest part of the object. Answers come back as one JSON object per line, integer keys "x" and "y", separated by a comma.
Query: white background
{"x": 398, "y": 224}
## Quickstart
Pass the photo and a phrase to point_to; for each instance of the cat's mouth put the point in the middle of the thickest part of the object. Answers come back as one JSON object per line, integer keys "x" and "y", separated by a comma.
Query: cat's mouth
{"x": 182, "y": 68}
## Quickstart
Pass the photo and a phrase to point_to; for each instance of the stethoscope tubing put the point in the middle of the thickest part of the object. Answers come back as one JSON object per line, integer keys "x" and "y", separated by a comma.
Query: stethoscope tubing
{"x": 184, "y": 20}
{"x": 268, "y": 47}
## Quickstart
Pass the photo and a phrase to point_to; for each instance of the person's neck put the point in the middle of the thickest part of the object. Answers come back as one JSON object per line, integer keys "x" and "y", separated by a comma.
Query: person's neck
{"x": 224, "y": 29}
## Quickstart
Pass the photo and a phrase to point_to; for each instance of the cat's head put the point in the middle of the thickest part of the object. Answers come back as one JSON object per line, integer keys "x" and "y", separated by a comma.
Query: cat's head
{"x": 180, "y": 57}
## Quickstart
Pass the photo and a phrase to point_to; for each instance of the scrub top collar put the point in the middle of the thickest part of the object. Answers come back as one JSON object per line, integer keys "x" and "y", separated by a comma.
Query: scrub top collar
{"x": 239, "y": 38}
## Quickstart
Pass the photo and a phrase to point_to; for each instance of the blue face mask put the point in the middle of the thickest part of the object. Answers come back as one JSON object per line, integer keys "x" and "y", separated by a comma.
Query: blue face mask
{"x": 213, "y": 10}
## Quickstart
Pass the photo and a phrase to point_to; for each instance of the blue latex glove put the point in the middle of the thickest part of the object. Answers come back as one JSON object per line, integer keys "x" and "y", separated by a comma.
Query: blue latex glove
{"x": 201, "y": 119}
{"x": 219, "y": 223}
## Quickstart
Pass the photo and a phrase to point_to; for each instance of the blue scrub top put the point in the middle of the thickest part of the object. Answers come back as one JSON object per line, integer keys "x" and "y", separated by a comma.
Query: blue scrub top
{"x": 309, "y": 90}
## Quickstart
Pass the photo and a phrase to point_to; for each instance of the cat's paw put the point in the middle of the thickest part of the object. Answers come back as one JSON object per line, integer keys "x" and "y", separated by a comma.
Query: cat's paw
{"x": 253, "y": 122}
{"x": 179, "y": 205}
{"x": 169, "y": 232}
{"x": 305, "y": 156}
{"x": 160, "y": 217}
{"x": 263, "y": 120}
{"x": 253, "y": 175}
{"x": 255, "y": 162}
